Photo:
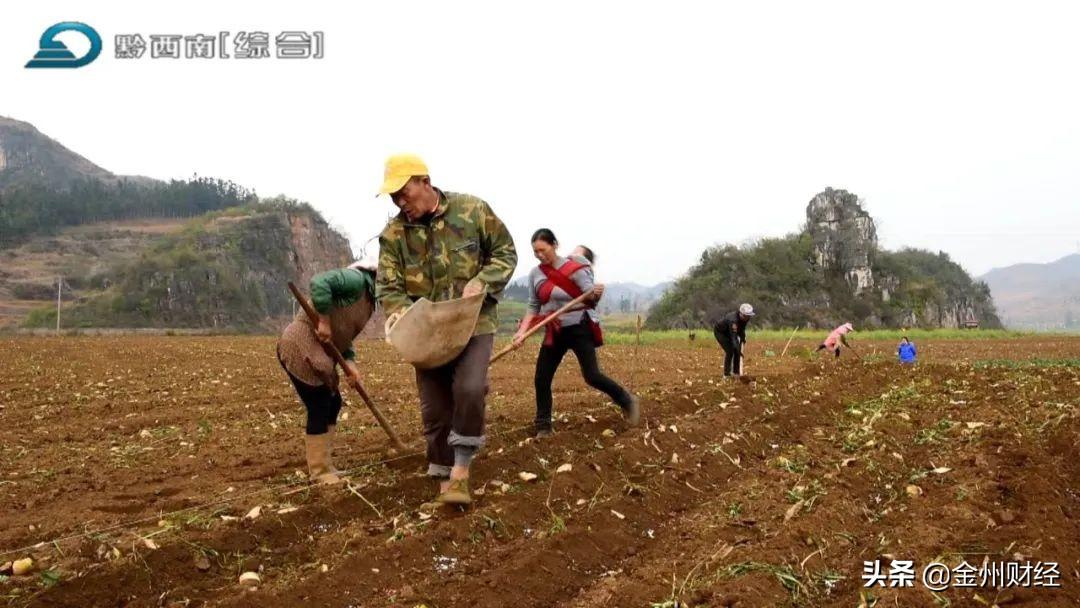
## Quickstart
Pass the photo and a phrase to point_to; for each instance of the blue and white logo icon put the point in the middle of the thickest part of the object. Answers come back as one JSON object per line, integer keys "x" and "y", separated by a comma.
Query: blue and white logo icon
{"x": 55, "y": 54}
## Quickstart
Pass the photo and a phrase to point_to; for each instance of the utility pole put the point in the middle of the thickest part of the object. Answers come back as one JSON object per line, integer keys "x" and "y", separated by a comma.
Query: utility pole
{"x": 59, "y": 284}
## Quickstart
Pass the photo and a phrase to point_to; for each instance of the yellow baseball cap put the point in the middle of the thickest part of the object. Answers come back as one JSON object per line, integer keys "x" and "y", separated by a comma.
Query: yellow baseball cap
{"x": 399, "y": 168}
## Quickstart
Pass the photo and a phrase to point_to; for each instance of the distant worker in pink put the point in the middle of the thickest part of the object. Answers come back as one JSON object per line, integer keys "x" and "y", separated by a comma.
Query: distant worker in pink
{"x": 836, "y": 338}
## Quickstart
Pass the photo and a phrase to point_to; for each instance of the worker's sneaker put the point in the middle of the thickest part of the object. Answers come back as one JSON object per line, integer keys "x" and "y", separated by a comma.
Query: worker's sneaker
{"x": 328, "y": 479}
{"x": 632, "y": 413}
{"x": 456, "y": 494}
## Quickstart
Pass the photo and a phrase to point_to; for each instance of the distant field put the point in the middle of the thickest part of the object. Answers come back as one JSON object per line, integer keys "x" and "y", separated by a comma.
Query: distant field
{"x": 619, "y": 328}
{"x": 622, "y": 335}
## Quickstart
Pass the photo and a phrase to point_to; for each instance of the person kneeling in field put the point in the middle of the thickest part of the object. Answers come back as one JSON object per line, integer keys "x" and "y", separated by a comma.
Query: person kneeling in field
{"x": 344, "y": 299}
{"x": 906, "y": 351}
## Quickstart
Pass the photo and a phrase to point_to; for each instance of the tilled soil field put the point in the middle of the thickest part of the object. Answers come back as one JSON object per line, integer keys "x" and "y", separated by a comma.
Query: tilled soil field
{"x": 154, "y": 471}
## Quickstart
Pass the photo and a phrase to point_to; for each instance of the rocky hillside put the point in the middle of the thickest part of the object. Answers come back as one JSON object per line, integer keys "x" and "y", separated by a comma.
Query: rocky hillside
{"x": 225, "y": 270}
{"x": 844, "y": 237}
{"x": 1038, "y": 296}
{"x": 830, "y": 272}
{"x": 29, "y": 156}
{"x": 79, "y": 256}
{"x": 134, "y": 252}
{"x": 45, "y": 188}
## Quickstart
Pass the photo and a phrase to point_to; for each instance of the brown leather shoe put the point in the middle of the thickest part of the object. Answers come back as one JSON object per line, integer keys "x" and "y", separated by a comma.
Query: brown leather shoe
{"x": 456, "y": 494}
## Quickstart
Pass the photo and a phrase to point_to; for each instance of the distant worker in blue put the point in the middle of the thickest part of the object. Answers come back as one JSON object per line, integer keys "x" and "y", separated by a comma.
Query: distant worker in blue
{"x": 906, "y": 351}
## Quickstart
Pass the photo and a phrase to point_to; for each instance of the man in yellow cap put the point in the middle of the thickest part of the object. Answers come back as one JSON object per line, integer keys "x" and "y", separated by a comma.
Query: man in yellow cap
{"x": 443, "y": 246}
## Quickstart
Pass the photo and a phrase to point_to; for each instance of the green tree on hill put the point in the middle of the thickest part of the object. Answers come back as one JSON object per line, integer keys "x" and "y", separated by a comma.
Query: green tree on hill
{"x": 32, "y": 208}
{"x": 829, "y": 273}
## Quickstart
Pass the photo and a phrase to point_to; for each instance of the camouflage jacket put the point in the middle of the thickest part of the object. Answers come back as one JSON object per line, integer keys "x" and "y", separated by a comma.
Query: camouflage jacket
{"x": 435, "y": 259}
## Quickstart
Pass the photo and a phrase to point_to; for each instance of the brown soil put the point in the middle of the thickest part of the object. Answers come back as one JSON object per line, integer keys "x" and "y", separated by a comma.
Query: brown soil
{"x": 765, "y": 494}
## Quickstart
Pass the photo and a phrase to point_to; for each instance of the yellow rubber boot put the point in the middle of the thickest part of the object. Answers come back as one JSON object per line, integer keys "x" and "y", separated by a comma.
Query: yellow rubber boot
{"x": 318, "y": 466}
{"x": 331, "y": 433}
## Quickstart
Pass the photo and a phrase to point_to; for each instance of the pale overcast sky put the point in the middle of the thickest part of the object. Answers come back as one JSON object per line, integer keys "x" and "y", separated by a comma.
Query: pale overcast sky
{"x": 646, "y": 130}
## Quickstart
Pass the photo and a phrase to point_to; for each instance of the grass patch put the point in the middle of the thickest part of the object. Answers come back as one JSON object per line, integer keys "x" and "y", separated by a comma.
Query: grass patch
{"x": 786, "y": 575}
{"x": 801, "y": 586}
{"x": 734, "y": 510}
{"x": 796, "y": 463}
{"x": 791, "y": 466}
{"x": 858, "y": 434}
{"x": 702, "y": 339}
{"x": 558, "y": 524}
{"x": 1026, "y": 363}
{"x": 49, "y": 578}
{"x": 935, "y": 434}
{"x": 623, "y": 333}
{"x": 196, "y": 519}
{"x": 806, "y": 494}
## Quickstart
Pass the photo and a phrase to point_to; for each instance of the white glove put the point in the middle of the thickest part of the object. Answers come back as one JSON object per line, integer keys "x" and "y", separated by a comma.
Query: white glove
{"x": 390, "y": 322}
{"x": 368, "y": 263}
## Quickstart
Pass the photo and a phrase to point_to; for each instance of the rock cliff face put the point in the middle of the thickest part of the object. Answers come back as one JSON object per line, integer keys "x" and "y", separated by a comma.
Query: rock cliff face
{"x": 225, "y": 272}
{"x": 314, "y": 247}
{"x": 909, "y": 288}
{"x": 830, "y": 272}
{"x": 844, "y": 236}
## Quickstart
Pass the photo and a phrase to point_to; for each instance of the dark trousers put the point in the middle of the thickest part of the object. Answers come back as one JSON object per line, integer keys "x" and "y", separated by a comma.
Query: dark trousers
{"x": 732, "y": 353}
{"x": 823, "y": 346}
{"x": 323, "y": 404}
{"x": 452, "y": 404}
{"x": 579, "y": 339}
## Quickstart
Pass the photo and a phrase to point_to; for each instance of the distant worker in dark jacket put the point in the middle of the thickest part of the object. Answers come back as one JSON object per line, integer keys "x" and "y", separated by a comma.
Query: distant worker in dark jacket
{"x": 344, "y": 299}
{"x": 730, "y": 332}
{"x": 906, "y": 351}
